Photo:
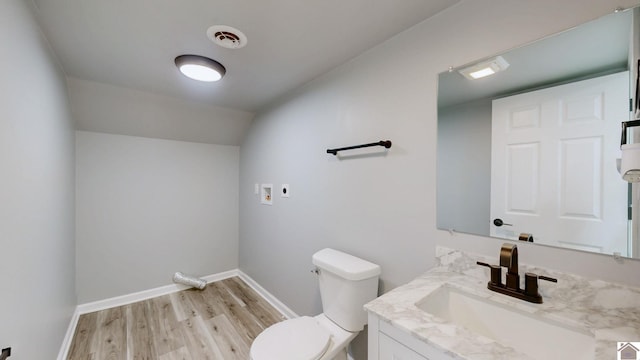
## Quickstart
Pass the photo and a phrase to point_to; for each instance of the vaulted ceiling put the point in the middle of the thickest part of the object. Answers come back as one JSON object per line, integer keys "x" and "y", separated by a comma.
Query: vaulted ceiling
{"x": 133, "y": 43}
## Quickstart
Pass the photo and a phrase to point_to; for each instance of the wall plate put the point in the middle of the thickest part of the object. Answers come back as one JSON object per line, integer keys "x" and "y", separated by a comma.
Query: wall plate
{"x": 285, "y": 191}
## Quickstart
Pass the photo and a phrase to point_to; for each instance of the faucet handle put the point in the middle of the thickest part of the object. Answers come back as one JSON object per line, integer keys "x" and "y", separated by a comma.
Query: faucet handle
{"x": 531, "y": 284}
{"x": 547, "y": 278}
{"x": 496, "y": 273}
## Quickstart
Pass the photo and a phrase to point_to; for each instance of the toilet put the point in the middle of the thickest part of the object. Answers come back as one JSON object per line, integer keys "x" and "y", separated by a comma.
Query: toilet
{"x": 346, "y": 284}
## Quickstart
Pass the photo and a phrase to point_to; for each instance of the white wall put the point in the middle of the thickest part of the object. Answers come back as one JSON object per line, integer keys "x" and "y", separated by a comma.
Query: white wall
{"x": 147, "y": 208}
{"x": 382, "y": 208}
{"x": 37, "y": 248}
{"x": 464, "y": 167}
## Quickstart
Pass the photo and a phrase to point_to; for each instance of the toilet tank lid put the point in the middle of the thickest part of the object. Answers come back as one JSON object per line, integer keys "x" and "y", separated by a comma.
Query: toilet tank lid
{"x": 345, "y": 265}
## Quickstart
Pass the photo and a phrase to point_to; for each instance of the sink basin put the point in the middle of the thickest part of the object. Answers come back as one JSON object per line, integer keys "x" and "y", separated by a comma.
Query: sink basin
{"x": 526, "y": 333}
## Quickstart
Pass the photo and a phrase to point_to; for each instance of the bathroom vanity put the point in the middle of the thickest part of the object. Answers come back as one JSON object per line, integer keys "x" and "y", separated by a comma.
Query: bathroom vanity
{"x": 449, "y": 313}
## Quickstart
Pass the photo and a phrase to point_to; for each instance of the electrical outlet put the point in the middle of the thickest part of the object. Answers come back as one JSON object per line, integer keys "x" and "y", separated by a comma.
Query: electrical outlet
{"x": 285, "y": 192}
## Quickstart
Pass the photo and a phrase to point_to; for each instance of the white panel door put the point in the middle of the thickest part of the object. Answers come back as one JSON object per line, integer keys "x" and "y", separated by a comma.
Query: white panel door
{"x": 553, "y": 169}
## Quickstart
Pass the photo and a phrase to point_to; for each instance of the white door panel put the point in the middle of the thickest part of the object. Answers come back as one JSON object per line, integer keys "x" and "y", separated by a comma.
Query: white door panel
{"x": 522, "y": 183}
{"x": 553, "y": 171}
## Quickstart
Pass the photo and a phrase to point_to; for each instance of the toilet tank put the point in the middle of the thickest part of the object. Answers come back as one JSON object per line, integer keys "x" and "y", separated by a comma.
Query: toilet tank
{"x": 346, "y": 284}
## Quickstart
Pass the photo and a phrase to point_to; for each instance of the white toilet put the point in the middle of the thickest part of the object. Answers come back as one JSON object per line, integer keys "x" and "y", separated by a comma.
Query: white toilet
{"x": 346, "y": 284}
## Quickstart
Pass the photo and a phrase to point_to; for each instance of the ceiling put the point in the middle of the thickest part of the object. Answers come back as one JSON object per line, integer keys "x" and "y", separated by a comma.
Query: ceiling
{"x": 594, "y": 48}
{"x": 133, "y": 43}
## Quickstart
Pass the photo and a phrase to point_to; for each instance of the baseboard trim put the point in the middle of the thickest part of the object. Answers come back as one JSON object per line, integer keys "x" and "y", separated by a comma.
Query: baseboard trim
{"x": 66, "y": 342}
{"x": 279, "y": 305}
{"x": 164, "y": 290}
{"x": 147, "y": 294}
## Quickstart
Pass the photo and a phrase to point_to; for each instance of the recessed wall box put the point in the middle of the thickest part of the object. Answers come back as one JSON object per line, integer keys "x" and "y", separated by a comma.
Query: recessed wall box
{"x": 266, "y": 194}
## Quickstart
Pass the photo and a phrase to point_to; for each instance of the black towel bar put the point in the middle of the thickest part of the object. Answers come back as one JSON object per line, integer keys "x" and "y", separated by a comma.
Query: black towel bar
{"x": 385, "y": 143}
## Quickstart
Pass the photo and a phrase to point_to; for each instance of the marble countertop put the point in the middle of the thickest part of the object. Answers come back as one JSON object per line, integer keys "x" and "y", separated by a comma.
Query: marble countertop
{"x": 609, "y": 312}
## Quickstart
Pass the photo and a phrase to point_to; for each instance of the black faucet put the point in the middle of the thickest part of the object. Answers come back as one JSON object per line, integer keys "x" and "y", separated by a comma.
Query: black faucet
{"x": 509, "y": 259}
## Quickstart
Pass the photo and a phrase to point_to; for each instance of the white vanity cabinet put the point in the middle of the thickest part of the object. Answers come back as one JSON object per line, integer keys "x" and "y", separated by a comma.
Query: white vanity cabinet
{"x": 389, "y": 343}
{"x": 393, "y": 350}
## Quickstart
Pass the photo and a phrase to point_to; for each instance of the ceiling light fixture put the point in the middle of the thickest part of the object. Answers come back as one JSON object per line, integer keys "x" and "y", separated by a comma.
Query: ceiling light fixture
{"x": 200, "y": 68}
{"x": 485, "y": 68}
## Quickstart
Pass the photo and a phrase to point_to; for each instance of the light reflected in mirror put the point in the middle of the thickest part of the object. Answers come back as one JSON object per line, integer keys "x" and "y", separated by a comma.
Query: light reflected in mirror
{"x": 530, "y": 152}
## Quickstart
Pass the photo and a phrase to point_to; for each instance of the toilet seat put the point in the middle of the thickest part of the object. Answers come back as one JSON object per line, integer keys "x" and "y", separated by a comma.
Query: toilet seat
{"x": 301, "y": 338}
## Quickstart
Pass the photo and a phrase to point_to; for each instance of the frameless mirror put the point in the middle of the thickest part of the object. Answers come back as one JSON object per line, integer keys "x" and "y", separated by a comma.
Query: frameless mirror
{"x": 530, "y": 152}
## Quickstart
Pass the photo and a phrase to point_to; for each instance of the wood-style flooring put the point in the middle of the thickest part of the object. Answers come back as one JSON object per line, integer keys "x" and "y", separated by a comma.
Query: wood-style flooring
{"x": 219, "y": 322}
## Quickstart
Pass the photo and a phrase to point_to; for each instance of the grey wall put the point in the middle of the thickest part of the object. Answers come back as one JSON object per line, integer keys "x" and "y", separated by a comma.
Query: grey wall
{"x": 147, "y": 208}
{"x": 383, "y": 208}
{"x": 464, "y": 167}
{"x": 36, "y": 191}
{"x": 117, "y": 110}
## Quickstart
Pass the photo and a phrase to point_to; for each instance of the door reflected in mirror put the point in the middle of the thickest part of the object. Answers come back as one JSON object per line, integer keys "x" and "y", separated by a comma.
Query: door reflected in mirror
{"x": 529, "y": 152}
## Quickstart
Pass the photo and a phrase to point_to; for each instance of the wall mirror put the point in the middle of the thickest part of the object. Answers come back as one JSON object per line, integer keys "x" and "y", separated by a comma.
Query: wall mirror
{"x": 529, "y": 153}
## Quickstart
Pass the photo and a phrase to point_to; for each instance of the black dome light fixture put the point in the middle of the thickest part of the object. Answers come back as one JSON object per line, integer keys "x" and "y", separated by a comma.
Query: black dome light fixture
{"x": 200, "y": 68}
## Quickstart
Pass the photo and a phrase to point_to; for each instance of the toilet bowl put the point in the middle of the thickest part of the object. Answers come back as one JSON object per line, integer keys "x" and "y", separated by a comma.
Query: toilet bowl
{"x": 346, "y": 284}
{"x": 306, "y": 338}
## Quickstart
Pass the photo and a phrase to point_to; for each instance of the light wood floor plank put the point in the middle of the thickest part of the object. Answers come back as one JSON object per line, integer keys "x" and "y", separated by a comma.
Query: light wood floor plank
{"x": 111, "y": 334}
{"x": 206, "y": 305}
{"x": 180, "y": 354}
{"x": 183, "y": 306}
{"x": 166, "y": 329}
{"x": 139, "y": 338}
{"x": 233, "y": 310}
{"x": 246, "y": 325}
{"x": 257, "y": 305}
{"x": 217, "y": 323}
{"x": 199, "y": 340}
{"x": 231, "y": 344}
{"x": 84, "y": 336}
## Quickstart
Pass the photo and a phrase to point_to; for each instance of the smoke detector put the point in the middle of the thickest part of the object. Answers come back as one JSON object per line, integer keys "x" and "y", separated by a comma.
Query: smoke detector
{"x": 227, "y": 36}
